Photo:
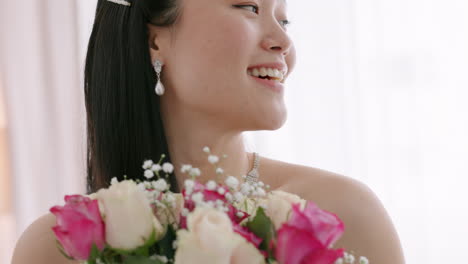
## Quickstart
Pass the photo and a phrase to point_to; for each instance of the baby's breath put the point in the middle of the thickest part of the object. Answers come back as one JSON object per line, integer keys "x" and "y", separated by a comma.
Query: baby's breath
{"x": 186, "y": 168}
{"x": 213, "y": 159}
{"x": 221, "y": 190}
{"x": 147, "y": 164}
{"x": 114, "y": 181}
{"x": 156, "y": 168}
{"x": 149, "y": 174}
{"x": 363, "y": 260}
{"x": 167, "y": 167}
{"x": 232, "y": 182}
{"x": 195, "y": 172}
{"x": 160, "y": 185}
{"x": 211, "y": 185}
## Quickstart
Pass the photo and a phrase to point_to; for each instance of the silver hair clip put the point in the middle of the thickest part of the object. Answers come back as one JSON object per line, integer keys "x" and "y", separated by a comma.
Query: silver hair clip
{"x": 121, "y": 2}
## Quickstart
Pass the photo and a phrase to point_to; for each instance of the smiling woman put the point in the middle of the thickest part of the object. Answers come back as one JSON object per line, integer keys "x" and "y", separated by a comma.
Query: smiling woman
{"x": 219, "y": 68}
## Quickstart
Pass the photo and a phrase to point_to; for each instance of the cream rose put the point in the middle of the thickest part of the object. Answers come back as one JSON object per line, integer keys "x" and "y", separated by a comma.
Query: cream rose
{"x": 128, "y": 216}
{"x": 279, "y": 205}
{"x": 210, "y": 239}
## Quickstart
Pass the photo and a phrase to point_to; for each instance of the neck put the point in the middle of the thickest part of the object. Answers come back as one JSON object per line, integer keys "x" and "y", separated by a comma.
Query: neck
{"x": 187, "y": 133}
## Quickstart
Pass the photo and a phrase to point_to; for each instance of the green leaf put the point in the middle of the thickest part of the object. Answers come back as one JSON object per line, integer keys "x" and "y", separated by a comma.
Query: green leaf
{"x": 95, "y": 253}
{"x": 140, "y": 260}
{"x": 271, "y": 260}
{"x": 165, "y": 244}
{"x": 262, "y": 226}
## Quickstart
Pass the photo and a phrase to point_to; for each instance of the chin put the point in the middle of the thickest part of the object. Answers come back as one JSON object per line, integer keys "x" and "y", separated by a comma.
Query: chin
{"x": 273, "y": 121}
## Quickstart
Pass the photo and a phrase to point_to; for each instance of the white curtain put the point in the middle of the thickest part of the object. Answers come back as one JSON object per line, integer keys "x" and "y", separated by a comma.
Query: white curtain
{"x": 41, "y": 74}
{"x": 377, "y": 94}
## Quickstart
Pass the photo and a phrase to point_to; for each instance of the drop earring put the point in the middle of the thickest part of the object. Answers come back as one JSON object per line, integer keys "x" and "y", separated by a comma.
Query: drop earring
{"x": 159, "y": 89}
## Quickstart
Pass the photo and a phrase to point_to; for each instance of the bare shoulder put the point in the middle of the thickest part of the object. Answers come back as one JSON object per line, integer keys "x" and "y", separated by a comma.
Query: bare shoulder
{"x": 369, "y": 230}
{"x": 310, "y": 183}
{"x": 37, "y": 244}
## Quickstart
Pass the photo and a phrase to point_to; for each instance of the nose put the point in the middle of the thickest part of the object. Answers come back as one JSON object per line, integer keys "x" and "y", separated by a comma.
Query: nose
{"x": 277, "y": 39}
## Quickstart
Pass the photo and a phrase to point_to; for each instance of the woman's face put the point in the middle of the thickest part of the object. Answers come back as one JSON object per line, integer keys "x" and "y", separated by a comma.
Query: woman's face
{"x": 210, "y": 53}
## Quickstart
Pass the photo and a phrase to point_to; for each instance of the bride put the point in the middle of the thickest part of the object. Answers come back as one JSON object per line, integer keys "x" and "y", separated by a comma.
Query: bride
{"x": 168, "y": 76}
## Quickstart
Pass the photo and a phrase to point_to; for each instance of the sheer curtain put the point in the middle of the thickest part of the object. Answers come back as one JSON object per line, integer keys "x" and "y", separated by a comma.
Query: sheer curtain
{"x": 40, "y": 69}
{"x": 377, "y": 94}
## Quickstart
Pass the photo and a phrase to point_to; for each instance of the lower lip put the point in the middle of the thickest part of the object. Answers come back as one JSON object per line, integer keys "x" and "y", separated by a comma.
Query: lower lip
{"x": 273, "y": 85}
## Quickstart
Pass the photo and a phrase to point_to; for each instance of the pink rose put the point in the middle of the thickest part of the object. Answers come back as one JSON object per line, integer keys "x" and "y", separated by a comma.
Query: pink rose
{"x": 79, "y": 226}
{"x": 308, "y": 236}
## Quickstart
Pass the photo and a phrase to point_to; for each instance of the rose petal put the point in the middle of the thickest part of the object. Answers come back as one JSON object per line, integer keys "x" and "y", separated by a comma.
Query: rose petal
{"x": 323, "y": 256}
{"x": 294, "y": 245}
{"x": 78, "y": 226}
{"x": 326, "y": 226}
{"x": 249, "y": 236}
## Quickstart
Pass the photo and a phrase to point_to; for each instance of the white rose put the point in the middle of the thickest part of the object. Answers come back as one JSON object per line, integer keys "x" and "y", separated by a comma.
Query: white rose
{"x": 210, "y": 239}
{"x": 128, "y": 216}
{"x": 279, "y": 204}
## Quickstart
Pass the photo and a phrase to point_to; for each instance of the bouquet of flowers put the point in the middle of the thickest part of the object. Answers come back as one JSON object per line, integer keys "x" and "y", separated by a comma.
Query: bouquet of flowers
{"x": 143, "y": 222}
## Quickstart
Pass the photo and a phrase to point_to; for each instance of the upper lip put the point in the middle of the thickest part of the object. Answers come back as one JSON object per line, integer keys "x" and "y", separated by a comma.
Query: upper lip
{"x": 282, "y": 67}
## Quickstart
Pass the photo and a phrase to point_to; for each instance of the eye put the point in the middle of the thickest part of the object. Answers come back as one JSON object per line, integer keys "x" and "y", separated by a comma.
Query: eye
{"x": 254, "y": 7}
{"x": 285, "y": 23}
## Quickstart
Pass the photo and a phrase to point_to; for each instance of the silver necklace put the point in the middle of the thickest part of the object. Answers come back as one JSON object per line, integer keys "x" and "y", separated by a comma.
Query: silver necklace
{"x": 252, "y": 176}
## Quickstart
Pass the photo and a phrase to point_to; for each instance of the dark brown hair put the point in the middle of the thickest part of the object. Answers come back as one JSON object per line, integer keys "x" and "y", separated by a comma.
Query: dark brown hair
{"x": 124, "y": 125}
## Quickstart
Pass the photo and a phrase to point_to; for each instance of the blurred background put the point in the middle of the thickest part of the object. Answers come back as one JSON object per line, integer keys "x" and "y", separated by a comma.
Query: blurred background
{"x": 379, "y": 94}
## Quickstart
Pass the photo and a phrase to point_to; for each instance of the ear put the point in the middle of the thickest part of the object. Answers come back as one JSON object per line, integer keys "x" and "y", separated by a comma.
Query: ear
{"x": 158, "y": 42}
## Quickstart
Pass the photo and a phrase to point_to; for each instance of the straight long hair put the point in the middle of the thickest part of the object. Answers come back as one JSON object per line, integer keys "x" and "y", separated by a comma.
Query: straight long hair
{"x": 124, "y": 124}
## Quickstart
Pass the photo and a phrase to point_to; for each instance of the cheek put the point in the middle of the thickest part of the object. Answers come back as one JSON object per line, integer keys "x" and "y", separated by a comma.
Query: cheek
{"x": 223, "y": 50}
{"x": 229, "y": 42}
{"x": 212, "y": 57}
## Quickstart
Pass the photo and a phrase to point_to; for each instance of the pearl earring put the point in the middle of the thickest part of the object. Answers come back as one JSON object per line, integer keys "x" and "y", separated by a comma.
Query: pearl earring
{"x": 159, "y": 89}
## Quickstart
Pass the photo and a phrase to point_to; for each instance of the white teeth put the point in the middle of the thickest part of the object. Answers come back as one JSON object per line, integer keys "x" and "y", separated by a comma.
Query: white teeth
{"x": 271, "y": 72}
{"x": 255, "y": 72}
{"x": 275, "y": 74}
